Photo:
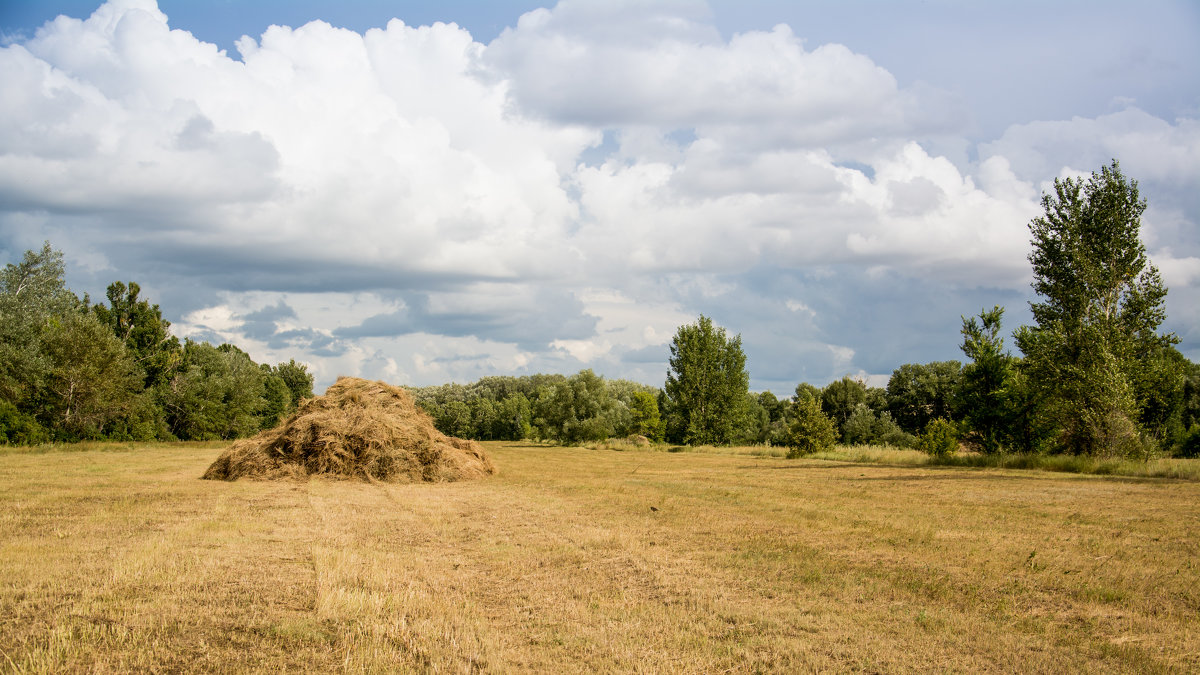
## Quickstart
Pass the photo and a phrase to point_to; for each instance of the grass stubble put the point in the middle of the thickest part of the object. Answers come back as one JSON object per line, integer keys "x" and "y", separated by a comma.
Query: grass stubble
{"x": 583, "y": 559}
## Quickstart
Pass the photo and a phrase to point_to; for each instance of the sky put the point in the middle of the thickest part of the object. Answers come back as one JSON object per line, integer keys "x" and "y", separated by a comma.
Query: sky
{"x": 432, "y": 192}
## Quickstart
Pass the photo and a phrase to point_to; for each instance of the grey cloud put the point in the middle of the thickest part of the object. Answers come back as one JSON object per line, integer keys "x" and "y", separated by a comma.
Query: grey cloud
{"x": 459, "y": 358}
{"x": 263, "y": 324}
{"x": 548, "y": 315}
{"x": 885, "y": 319}
{"x": 647, "y": 354}
{"x": 313, "y": 341}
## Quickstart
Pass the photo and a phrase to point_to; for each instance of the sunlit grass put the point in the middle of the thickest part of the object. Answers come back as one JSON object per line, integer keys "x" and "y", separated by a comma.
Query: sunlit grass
{"x": 599, "y": 559}
{"x": 1184, "y": 469}
{"x": 107, "y": 446}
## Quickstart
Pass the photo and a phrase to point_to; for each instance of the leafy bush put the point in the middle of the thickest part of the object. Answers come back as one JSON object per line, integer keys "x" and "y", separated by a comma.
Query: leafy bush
{"x": 811, "y": 430}
{"x": 1190, "y": 447}
{"x": 940, "y": 437}
{"x": 898, "y": 439}
{"x": 859, "y": 428}
{"x": 17, "y": 428}
{"x": 644, "y": 416}
{"x": 866, "y": 428}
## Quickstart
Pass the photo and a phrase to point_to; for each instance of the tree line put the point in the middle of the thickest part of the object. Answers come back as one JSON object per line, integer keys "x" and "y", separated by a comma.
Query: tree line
{"x": 580, "y": 408}
{"x": 1094, "y": 375}
{"x": 71, "y": 370}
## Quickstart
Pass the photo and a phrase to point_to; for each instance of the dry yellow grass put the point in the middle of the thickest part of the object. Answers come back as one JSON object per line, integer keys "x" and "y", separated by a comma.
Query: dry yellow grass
{"x": 584, "y": 560}
{"x": 358, "y": 428}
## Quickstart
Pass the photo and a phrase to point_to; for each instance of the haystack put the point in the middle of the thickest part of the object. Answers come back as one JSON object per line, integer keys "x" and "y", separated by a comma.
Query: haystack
{"x": 358, "y": 428}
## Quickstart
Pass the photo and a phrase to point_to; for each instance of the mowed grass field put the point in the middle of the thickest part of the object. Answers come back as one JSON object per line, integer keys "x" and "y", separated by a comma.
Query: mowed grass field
{"x": 592, "y": 560}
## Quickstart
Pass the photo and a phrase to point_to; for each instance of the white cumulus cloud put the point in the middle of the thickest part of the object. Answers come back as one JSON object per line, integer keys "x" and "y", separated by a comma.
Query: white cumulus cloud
{"x": 411, "y": 203}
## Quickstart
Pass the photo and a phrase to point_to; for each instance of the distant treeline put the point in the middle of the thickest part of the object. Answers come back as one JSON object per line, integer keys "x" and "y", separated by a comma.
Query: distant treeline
{"x": 582, "y": 407}
{"x": 1095, "y": 375}
{"x": 587, "y": 407}
{"x": 72, "y": 370}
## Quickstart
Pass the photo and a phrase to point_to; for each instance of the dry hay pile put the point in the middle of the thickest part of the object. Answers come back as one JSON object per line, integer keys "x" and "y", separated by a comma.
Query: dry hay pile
{"x": 358, "y": 428}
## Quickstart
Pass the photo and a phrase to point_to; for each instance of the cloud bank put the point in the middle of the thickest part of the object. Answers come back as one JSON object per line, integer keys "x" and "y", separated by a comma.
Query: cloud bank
{"x": 413, "y": 205}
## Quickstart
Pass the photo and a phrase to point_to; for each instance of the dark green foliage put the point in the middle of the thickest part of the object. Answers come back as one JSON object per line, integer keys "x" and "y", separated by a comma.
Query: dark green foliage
{"x": 940, "y": 438}
{"x": 284, "y": 387}
{"x": 32, "y": 292}
{"x": 859, "y": 428}
{"x": 806, "y": 389}
{"x": 706, "y": 384}
{"x": 456, "y": 420}
{"x": 865, "y": 427}
{"x": 296, "y": 378}
{"x": 918, "y": 394}
{"x": 985, "y": 392}
{"x": 277, "y": 399}
{"x": 1095, "y": 358}
{"x": 140, "y": 326}
{"x": 764, "y": 420}
{"x": 494, "y": 408}
{"x": 753, "y": 423}
{"x": 580, "y": 409}
{"x": 776, "y": 408}
{"x": 90, "y": 379}
{"x": 840, "y": 398}
{"x": 218, "y": 393}
{"x": 513, "y": 417}
{"x": 810, "y": 429}
{"x": 583, "y": 407}
{"x": 1189, "y": 405}
{"x": 1159, "y": 381}
{"x": 484, "y": 418}
{"x": 18, "y": 428}
{"x": 1189, "y": 446}
{"x": 898, "y": 438}
{"x": 778, "y": 415}
{"x": 71, "y": 371}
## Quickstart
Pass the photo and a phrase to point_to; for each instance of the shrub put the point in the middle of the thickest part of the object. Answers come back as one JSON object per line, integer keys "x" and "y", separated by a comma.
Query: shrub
{"x": 811, "y": 430}
{"x": 859, "y": 428}
{"x": 1190, "y": 447}
{"x": 898, "y": 439}
{"x": 18, "y": 428}
{"x": 940, "y": 437}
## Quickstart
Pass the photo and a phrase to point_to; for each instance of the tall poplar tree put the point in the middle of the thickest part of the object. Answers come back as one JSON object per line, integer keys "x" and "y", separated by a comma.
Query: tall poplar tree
{"x": 1097, "y": 323}
{"x": 706, "y": 384}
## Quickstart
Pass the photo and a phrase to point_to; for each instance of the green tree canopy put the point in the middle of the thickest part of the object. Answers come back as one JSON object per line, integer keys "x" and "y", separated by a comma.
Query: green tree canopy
{"x": 91, "y": 380}
{"x": 578, "y": 409}
{"x": 810, "y": 429}
{"x": 32, "y": 292}
{"x": 1094, "y": 356}
{"x": 645, "y": 417}
{"x": 219, "y": 393}
{"x": 706, "y": 384}
{"x": 920, "y": 393}
{"x": 839, "y": 399}
{"x": 141, "y": 327}
{"x": 985, "y": 395}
